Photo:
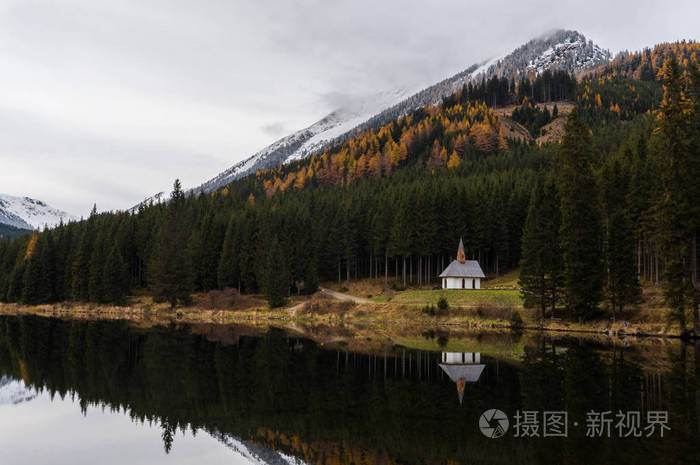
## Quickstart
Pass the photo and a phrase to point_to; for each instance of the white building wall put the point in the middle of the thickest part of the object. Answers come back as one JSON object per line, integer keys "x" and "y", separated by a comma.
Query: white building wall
{"x": 461, "y": 357}
{"x": 456, "y": 283}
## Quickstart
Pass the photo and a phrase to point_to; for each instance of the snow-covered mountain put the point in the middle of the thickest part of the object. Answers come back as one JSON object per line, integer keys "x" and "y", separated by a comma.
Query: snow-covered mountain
{"x": 560, "y": 50}
{"x": 255, "y": 453}
{"x": 310, "y": 140}
{"x": 14, "y": 392}
{"x": 27, "y": 213}
{"x": 557, "y": 50}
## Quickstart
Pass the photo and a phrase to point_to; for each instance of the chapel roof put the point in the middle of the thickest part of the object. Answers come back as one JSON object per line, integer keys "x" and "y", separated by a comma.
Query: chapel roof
{"x": 468, "y": 269}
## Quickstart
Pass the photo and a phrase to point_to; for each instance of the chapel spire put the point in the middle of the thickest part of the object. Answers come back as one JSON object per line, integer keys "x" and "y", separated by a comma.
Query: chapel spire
{"x": 461, "y": 258}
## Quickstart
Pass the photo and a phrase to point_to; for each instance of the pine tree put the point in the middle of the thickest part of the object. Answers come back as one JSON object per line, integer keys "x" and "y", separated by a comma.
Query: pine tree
{"x": 170, "y": 272}
{"x": 620, "y": 243}
{"x": 116, "y": 278}
{"x": 32, "y": 276}
{"x": 275, "y": 274}
{"x": 541, "y": 262}
{"x": 676, "y": 224}
{"x": 227, "y": 272}
{"x": 96, "y": 284}
{"x": 581, "y": 229}
{"x": 47, "y": 262}
{"x": 80, "y": 273}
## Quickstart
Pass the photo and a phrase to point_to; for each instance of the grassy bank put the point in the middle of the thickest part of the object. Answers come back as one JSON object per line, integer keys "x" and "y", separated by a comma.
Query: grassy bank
{"x": 492, "y": 307}
{"x": 457, "y": 298}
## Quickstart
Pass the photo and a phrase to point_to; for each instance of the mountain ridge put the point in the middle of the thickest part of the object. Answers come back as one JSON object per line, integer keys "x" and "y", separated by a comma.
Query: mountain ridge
{"x": 555, "y": 50}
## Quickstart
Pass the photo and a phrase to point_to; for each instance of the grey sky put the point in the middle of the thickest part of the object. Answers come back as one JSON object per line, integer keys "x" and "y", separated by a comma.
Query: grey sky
{"x": 110, "y": 101}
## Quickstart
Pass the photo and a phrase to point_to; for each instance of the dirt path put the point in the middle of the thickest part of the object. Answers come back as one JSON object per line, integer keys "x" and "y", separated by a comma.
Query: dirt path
{"x": 295, "y": 309}
{"x": 347, "y": 297}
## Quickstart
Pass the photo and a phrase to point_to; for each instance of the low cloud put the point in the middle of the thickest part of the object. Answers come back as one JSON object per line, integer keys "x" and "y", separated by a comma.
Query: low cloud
{"x": 274, "y": 129}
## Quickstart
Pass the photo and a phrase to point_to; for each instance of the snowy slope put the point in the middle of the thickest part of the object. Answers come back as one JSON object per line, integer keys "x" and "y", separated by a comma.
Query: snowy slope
{"x": 558, "y": 50}
{"x": 255, "y": 453}
{"x": 14, "y": 392}
{"x": 26, "y": 213}
{"x": 310, "y": 140}
{"x": 561, "y": 49}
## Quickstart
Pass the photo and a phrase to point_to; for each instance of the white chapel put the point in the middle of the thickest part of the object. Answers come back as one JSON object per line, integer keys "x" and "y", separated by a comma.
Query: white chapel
{"x": 462, "y": 273}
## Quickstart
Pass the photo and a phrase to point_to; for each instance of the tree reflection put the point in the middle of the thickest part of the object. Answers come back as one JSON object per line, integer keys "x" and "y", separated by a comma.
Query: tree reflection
{"x": 336, "y": 406}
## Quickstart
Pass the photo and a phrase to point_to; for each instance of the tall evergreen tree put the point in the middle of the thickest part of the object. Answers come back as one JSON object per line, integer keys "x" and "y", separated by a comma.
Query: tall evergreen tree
{"x": 675, "y": 207}
{"x": 96, "y": 283}
{"x": 171, "y": 277}
{"x": 227, "y": 271}
{"x": 116, "y": 277}
{"x": 581, "y": 229}
{"x": 275, "y": 274}
{"x": 541, "y": 263}
{"x": 620, "y": 243}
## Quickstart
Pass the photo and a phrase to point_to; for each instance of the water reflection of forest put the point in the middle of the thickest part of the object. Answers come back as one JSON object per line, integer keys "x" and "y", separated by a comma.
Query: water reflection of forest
{"x": 333, "y": 405}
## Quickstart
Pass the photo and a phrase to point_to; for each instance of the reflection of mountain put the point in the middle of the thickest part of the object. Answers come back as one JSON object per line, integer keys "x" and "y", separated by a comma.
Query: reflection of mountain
{"x": 256, "y": 453}
{"x": 14, "y": 392}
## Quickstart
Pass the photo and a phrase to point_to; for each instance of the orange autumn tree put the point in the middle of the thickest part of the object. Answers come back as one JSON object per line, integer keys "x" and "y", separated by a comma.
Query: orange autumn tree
{"x": 438, "y": 135}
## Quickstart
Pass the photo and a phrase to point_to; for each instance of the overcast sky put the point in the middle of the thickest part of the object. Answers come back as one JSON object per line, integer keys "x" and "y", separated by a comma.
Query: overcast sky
{"x": 110, "y": 101}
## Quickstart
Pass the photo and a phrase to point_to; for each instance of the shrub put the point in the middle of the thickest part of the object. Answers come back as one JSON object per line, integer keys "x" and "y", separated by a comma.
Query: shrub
{"x": 442, "y": 304}
{"x": 429, "y": 310}
{"x": 397, "y": 286}
{"x": 343, "y": 289}
{"x": 516, "y": 321}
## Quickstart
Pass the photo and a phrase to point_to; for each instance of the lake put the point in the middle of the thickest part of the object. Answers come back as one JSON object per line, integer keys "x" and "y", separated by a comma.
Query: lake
{"x": 108, "y": 392}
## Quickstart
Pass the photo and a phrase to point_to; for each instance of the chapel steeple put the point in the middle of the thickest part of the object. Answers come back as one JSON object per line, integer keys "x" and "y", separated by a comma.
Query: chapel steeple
{"x": 461, "y": 258}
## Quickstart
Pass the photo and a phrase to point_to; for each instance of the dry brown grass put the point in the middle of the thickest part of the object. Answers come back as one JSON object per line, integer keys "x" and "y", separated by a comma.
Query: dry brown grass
{"x": 224, "y": 299}
{"x": 553, "y": 131}
{"x": 514, "y": 130}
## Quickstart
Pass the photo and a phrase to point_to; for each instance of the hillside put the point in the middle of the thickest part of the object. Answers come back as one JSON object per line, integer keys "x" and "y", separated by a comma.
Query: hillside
{"x": 11, "y": 231}
{"x": 559, "y": 50}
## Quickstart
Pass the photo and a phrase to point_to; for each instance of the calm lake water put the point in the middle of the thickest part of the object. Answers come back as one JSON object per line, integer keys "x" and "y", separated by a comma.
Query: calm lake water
{"x": 79, "y": 392}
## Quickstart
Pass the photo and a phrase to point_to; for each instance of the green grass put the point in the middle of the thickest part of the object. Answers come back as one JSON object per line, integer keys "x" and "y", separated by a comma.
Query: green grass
{"x": 461, "y": 298}
{"x": 509, "y": 279}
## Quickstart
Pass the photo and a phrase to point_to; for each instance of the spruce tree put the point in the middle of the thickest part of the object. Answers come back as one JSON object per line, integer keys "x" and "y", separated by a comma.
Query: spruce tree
{"x": 170, "y": 273}
{"x": 675, "y": 208}
{"x": 32, "y": 276}
{"x": 227, "y": 271}
{"x": 620, "y": 243}
{"x": 116, "y": 278}
{"x": 581, "y": 229}
{"x": 275, "y": 274}
{"x": 541, "y": 262}
{"x": 96, "y": 283}
{"x": 80, "y": 270}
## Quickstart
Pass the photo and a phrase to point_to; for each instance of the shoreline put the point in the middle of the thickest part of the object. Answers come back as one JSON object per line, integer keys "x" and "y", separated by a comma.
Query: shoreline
{"x": 339, "y": 313}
